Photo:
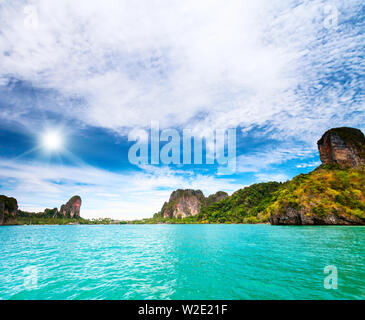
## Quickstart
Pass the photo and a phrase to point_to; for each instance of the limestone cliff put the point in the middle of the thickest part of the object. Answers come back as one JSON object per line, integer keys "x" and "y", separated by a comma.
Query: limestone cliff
{"x": 188, "y": 202}
{"x": 8, "y": 208}
{"x": 332, "y": 194}
{"x": 214, "y": 198}
{"x": 2, "y": 207}
{"x": 72, "y": 208}
{"x": 342, "y": 146}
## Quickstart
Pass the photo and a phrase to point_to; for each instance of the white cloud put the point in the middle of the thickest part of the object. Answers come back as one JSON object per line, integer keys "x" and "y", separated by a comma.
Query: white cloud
{"x": 264, "y": 159}
{"x": 104, "y": 194}
{"x": 308, "y": 165}
{"x": 265, "y": 177}
{"x": 232, "y": 63}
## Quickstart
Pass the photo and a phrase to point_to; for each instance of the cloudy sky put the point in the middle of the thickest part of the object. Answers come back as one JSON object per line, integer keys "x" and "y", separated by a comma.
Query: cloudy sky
{"x": 280, "y": 72}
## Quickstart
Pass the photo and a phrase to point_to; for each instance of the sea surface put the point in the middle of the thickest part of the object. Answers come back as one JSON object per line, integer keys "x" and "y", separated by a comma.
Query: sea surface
{"x": 181, "y": 262}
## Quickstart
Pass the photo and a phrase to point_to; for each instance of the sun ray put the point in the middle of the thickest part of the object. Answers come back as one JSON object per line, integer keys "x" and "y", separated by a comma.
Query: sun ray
{"x": 27, "y": 152}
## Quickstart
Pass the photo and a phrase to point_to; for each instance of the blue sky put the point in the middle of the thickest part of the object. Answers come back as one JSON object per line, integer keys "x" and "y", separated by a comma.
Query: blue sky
{"x": 280, "y": 72}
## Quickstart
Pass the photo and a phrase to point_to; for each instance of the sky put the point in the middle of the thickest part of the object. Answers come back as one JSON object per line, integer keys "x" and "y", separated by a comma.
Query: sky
{"x": 280, "y": 73}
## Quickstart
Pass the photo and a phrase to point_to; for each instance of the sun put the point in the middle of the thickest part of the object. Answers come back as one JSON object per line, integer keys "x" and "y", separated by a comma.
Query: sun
{"x": 52, "y": 141}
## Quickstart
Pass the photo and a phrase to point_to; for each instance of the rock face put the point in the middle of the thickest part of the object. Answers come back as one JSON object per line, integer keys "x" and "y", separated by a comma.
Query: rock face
{"x": 183, "y": 203}
{"x": 293, "y": 216}
{"x": 213, "y": 198}
{"x": 328, "y": 195}
{"x": 188, "y": 202}
{"x": 342, "y": 146}
{"x": 8, "y": 208}
{"x": 72, "y": 208}
{"x": 2, "y": 207}
{"x": 10, "y": 205}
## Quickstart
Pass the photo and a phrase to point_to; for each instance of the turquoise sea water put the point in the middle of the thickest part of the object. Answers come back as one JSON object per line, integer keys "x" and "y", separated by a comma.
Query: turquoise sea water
{"x": 180, "y": 262}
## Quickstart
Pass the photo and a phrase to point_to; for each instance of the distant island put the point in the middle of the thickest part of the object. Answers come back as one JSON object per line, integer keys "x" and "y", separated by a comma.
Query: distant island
{"x": 332, "y": 194}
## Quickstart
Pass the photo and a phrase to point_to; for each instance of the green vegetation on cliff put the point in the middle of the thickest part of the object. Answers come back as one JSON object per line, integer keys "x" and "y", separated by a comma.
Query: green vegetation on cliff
{"x": 246, "y": 205}
{"x": 328, "y": 190}
{"x": 42, "y": 220}
{"x": 47, "y": 218}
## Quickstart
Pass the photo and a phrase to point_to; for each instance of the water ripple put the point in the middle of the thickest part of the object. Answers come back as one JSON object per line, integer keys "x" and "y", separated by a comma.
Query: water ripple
{"x": 180, "y": 262}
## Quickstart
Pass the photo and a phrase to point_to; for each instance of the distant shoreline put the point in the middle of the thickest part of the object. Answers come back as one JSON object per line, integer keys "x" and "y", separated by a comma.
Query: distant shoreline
{"x": 186, "y": 224}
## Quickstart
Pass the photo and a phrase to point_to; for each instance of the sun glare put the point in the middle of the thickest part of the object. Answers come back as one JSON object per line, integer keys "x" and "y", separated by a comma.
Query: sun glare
{"x": 52, "y": 141}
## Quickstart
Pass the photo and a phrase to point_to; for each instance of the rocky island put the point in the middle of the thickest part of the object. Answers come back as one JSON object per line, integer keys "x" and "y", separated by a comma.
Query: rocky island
{"x": 11, "y": 215}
